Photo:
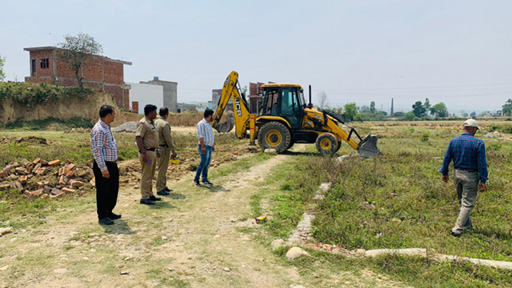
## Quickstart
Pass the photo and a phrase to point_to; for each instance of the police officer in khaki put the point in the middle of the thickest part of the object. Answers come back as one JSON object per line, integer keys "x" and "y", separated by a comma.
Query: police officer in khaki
{"x": 166, "y": 146}
{"x": 147, "y": 141}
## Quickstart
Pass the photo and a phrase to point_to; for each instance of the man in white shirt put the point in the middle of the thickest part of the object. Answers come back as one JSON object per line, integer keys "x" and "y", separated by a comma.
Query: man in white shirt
{"x": 206, "y": 140}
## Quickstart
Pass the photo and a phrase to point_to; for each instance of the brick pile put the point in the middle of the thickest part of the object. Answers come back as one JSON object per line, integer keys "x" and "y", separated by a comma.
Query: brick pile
{"x": 43, "y": 179}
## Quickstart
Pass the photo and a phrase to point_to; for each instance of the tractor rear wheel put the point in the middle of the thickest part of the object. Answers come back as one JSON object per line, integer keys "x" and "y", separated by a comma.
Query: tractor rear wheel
{"x": 327, "y": 144}
{"x": 274, "y": 135}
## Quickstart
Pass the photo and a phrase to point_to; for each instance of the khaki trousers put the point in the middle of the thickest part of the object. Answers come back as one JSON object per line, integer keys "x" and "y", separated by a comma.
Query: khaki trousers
{"x": 148, "y": 172}
{"x": 163, "y": 164}
{"x": 467, "y": 190}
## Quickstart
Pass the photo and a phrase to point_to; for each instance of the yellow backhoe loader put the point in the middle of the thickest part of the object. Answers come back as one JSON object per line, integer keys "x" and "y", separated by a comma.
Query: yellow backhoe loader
{"x": 284, "y": 118}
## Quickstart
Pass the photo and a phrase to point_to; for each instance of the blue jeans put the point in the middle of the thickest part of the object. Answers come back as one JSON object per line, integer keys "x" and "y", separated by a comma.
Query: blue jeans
{"x": 205, "y": 163}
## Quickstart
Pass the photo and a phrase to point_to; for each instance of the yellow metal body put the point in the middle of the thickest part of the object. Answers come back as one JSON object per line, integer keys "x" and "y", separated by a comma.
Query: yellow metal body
{"x": 308, "y": 124}
{"x": 312, "y": 120}
{"x": 242, "y": 115}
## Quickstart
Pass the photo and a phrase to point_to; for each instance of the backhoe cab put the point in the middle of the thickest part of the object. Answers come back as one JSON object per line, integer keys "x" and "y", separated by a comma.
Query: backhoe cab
{"x": 284, "y": 119}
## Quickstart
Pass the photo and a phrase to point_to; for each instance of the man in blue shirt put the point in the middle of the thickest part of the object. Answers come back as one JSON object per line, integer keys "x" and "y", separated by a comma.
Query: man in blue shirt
{"x": 468, "y": 155}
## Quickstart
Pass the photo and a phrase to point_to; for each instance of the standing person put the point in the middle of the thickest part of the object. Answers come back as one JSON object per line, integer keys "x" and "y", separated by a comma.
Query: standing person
{"x": 147, "y": 142}
{"x": 469, "y": 161}
{"x": 166, "y": 146}
{"x": 206, "y": 146}
{"x": 106, "y": 172}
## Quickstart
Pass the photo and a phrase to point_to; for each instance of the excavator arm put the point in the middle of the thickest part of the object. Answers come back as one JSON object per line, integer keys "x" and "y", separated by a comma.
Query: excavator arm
{"x": 241, "y": 116}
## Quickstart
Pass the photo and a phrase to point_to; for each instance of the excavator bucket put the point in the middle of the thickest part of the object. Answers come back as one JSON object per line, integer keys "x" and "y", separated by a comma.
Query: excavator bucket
{"x": 368, "y": 147}
{"x": 226, "y": 126}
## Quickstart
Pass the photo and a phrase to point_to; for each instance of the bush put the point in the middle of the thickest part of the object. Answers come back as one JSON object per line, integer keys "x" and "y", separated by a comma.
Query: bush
{"x": 33, "y": 94}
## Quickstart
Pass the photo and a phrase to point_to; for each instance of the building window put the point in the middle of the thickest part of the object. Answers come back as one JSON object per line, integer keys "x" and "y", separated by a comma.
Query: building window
{"x": 34, "y": 67}
{"x": 45, "y": 63}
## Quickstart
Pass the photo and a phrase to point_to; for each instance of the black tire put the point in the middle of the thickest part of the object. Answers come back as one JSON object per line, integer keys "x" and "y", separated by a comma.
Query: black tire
{"x": 274, "y": 135}
{"x": 339, "y": 146}
{"x": 327, "y": 144}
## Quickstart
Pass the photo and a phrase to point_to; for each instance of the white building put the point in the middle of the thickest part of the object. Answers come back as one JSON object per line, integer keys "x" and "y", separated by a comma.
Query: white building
{"x": 146, "y": 94}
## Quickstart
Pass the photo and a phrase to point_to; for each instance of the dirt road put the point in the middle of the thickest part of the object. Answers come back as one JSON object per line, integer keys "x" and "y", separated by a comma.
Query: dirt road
{"x": 198, "y": 237}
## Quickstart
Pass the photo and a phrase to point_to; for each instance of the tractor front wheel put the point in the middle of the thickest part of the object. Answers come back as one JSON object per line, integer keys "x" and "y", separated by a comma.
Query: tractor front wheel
{"x": 274, "y": 135}
{"x": 327, "y": 144}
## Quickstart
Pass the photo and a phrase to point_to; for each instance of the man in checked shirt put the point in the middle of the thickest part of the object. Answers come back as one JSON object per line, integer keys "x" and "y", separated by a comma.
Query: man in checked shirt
{"x": 468, "y": 155}
{"x": 106, "y": 173}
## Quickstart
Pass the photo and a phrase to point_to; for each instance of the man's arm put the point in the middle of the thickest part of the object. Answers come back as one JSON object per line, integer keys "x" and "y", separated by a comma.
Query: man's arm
{"x": 446, "y": 163}
{"x": 482, "y": 167}
{"x": 141, "y": 130}
{"x": 168, "y": 138}
{"x": 98, "y": 139}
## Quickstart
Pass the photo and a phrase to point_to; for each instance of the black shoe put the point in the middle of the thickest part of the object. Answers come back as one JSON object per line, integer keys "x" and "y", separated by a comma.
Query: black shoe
{"x": 167, "y": 189}
{"x": 147, "y": 202}
{"x": 106, "y": 221}
{"x": 163, "y": 193}
{"x": 114, "y": 216}
{"x": 153, "y": 198}
{"x": 456, "y": 234}
{"x": 207, "y": 183}
{"x": 196, "y": 183}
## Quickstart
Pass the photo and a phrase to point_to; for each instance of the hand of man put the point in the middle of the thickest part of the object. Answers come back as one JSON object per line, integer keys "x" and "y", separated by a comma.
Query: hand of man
{"x": 213, "y": 148}
{"x": 158, "y": 154}
{"x": 446, "y": 178}
{"x": 144, "y": 157}
{"x": 203, "y": 150}
{"x": 481, "y": 187}
{"x": 105, "y": 174}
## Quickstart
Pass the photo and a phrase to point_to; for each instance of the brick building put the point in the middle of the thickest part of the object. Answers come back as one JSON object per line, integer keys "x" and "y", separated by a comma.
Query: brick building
{"x": 98, "y": 72}
{"x": 254, "y": 97}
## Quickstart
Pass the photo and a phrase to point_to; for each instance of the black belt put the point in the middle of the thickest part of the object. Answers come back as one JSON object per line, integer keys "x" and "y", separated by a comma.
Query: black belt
{"x": 164, "y": 146}
{"x": 151, "y": 149}
{"x": 113, "y": 162}
{"x": 466, "y": 170}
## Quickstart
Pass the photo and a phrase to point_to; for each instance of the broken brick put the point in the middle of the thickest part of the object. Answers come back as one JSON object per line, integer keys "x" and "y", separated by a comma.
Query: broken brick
{"x": 75, "y": 183}
{"x": 37, "y": 160}
{"x": 23, "y": 179}
{"x": 40, "y": 171}
{"x": 68, "y": 190}
{"x": 60, "y": 195}
{"x": 34, "y": 194}
{"x": 54, "y": 162}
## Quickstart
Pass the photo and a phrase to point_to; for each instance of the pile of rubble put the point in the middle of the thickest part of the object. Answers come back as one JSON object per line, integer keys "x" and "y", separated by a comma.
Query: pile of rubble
{"x": 43, "y": 179}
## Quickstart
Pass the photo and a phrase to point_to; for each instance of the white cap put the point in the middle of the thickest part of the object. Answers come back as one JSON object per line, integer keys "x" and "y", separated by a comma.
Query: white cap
{"x": 471, "y": 123}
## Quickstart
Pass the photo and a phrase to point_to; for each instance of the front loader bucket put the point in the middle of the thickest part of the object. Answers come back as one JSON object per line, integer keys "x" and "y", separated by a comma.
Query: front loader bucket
{"x": 226, "y": 126}
{"x": 368, "y": 147}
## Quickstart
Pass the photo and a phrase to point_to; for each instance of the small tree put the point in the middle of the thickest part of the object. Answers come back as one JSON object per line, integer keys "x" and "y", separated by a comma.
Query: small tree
{"x": 2, "y": 74}
{"x": 322, "y": 100}
{"x": 75, "y": 51}
{"x": 427, "y": 104}
{"x": 372, "y": 107}
{"x": 419, "y": 110}
{"x": 439, "y": 110}
{"x": 473, "y": 114}
{"x": 507, "y": 108}
{"x": 350, "y": 111}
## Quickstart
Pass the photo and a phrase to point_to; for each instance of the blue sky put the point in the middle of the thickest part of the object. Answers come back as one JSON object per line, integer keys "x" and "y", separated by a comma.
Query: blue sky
{"x": 457, "y": 52}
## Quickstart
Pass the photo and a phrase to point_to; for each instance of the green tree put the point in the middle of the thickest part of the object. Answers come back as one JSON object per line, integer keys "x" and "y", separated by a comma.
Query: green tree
{"x": 372, "y": 107}
{"x": 2, "y": 73}
{"x": 350, "y": 111}
{"x": 473, "y": 114}
{"x": 427, "y": 104}
{"x": 507, "y": 108}
{"x": 439, "y": 110}
{"x": 419, "y": 110}
{"x": 75, "y": 51}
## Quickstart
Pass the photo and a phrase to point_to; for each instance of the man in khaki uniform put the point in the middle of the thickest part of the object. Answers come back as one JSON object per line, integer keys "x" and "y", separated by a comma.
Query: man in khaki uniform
{"x": 147, "y": 141}
{"x": 166, "y": 146}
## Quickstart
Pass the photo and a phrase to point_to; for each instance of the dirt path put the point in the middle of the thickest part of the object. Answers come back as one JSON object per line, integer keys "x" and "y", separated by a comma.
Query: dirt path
{"x": 196, "y": 238}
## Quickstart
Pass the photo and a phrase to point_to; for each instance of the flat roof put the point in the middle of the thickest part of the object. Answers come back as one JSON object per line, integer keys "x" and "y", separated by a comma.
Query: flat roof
{"x": 43, "y": 48}
{"x": 280, "y": 85}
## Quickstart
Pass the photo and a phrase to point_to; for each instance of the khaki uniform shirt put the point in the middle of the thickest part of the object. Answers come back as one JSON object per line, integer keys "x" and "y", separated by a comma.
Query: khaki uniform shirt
{"x": 164, "y": 133}
{"x": 147, "y": 130}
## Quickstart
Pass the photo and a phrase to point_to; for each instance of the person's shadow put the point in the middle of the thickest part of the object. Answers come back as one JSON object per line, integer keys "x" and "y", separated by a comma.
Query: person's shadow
{"x": 177, "y": 196}
{"x": 162, "y": 205}
{"x": 216, "y": 189}
{"x": 119, "y": 227}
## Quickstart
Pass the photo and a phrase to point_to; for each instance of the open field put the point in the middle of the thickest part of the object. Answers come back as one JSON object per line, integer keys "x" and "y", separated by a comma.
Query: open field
{"x": 208, "y": 238}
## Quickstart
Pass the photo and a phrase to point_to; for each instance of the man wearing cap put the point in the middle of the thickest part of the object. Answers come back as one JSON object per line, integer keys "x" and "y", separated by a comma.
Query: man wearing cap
{"x": 468, "y": 155}
{"x": 147, "y": 142}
